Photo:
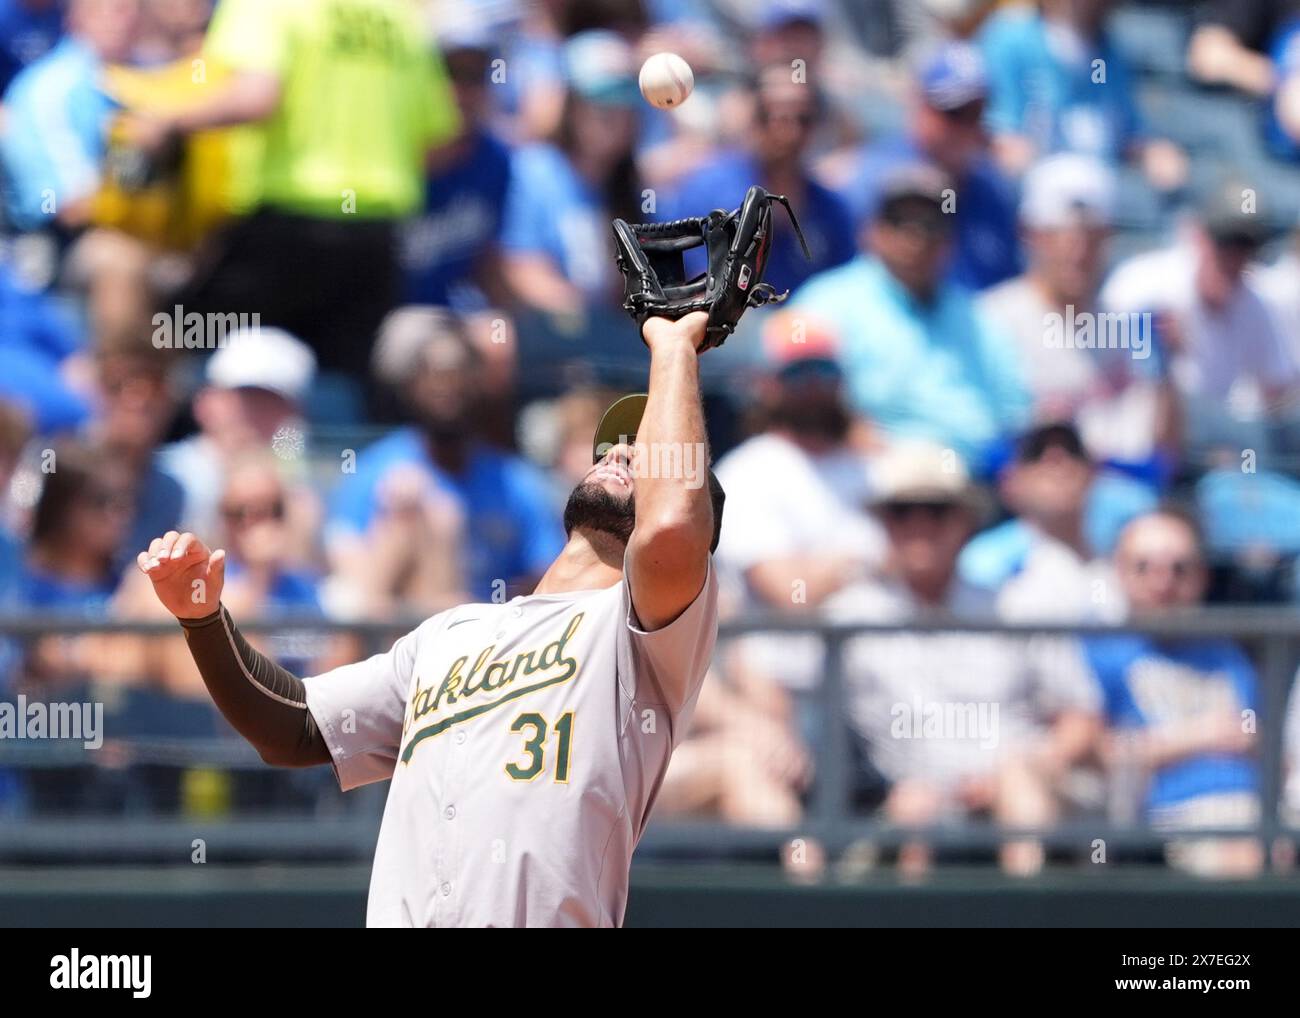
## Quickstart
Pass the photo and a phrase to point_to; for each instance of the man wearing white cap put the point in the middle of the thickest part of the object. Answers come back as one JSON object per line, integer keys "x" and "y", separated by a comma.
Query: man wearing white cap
{"x": 1066, "y": 214}
{"x": 955, "y": 723}
{"x": 255, "y": 385}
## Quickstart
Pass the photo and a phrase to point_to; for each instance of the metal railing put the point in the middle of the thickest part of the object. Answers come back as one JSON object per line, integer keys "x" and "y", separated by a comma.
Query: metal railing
{"x": 1270, "y": 635}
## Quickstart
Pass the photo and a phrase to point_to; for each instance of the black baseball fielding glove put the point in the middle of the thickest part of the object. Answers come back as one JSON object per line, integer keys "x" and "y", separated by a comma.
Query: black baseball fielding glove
{"x": 651, "y": 258}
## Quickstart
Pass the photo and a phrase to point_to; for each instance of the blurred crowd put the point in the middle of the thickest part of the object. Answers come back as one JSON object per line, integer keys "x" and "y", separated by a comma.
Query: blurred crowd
{"x": 331, "y": 283}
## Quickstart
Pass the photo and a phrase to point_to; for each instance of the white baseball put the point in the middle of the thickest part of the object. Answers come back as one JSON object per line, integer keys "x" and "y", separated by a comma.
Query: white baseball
{"x": 666, "y": 80}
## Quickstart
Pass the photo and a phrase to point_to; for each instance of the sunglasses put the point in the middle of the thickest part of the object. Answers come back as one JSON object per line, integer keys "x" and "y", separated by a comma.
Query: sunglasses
{"x": 932, "y": 512}
{"x": 1035, "y": 451}
{"x": 252, "y": 512}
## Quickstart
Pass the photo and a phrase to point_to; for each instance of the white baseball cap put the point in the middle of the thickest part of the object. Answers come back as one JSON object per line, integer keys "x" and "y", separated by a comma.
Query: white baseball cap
{"x": 1063, "y": 187}
{"x": 917, "y": 470}
{"x": 263, "y": 358}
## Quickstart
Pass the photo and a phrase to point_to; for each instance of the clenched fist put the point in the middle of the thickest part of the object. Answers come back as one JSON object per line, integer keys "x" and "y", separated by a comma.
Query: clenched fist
{"x": 663, "y": 332}
{"x": 186, "y": 576}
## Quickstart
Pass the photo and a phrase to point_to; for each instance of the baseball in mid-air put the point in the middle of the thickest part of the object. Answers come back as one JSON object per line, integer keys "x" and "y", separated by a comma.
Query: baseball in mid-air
{"x": 666, "y": 80}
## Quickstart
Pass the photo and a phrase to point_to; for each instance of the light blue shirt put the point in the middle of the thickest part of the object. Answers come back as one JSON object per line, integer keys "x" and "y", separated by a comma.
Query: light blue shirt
{"x": 1056, "y": 98}
{"x": 938, "y": 371}
{"x": 551, "y": 210}
{"x": 53, "y": 143}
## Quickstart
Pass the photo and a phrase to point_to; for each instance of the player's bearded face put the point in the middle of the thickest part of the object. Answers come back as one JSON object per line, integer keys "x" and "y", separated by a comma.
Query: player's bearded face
{"x": 592, "y": 507}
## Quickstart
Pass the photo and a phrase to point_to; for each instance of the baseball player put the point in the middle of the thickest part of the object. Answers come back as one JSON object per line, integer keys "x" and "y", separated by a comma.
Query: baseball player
{"x": 526, "y": 741}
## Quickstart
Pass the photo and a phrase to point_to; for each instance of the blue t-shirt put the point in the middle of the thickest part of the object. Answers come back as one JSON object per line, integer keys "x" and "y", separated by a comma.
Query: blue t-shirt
{"x": 936, "y": 371}
{"x": 44, "y": 592}
{"x": 1148, "y": 683}
{"x": 1243, "y": 511}
{"x": 722, "y": 183}
{"x": 1059, "y": 101}
{"x": 1285, "y": 54}
{"x": 552, "y": 211}
{"x": 26, "y": 35}
{"x": 986, "y": 241}
{"x": 159, "y": 501}
{"x": 513, "y": 531}
{"x": 461, "y": 220}
{"x": 35, "y": 337}
{"x": 54, "y": 139}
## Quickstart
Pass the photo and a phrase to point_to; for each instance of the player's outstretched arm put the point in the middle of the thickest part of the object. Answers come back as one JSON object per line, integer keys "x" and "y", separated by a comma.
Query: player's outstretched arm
{"x": 669, "y": 549}
{"x": 266, "y": 704}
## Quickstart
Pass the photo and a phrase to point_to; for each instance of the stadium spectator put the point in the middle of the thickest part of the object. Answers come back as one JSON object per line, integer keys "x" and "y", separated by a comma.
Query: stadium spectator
{"x": 1183, "y": 711}
{"x": 786, "y": 114}
{"x": 317, "y": 254}
{"x": 150, "y": 204}
{"x": 261, "y": 578}
{"x": 742, "y": 760}
{"x": 796, "y": 528}
{"x": 558, "y": 249}
{"x": 1075, "y": 371}
{"x": 1214, "y": 334}
{"x": 42, "y": 364}
{"x": 28, "y": 30}
{"x": 135, "y": 407}
{"x": 920, "y": 359}
{"x": 52, "y": 146}
{"x": 922, "y": 704}
{"x": 1043, "y": 562}
{"x": 1059, "y": 83}
{"x": 79, "y": 525}
{"x": 944, "y": 127}
{"x": 439, "y": 474}
{"x": 450, "y": 250}
{"x": 251, "y": 400}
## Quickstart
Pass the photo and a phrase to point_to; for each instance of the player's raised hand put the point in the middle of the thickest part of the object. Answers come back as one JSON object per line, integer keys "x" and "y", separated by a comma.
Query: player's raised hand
{"x": 661, "y": 332}
{"x": 186, "y": 576}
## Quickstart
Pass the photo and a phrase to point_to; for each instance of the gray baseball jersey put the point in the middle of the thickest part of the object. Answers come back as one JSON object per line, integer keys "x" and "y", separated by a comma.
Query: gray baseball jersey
{"x": 526, "y": 743}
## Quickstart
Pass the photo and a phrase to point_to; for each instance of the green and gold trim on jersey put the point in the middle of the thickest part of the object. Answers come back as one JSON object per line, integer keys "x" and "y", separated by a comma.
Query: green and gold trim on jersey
{"x": 487, "y": 674}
